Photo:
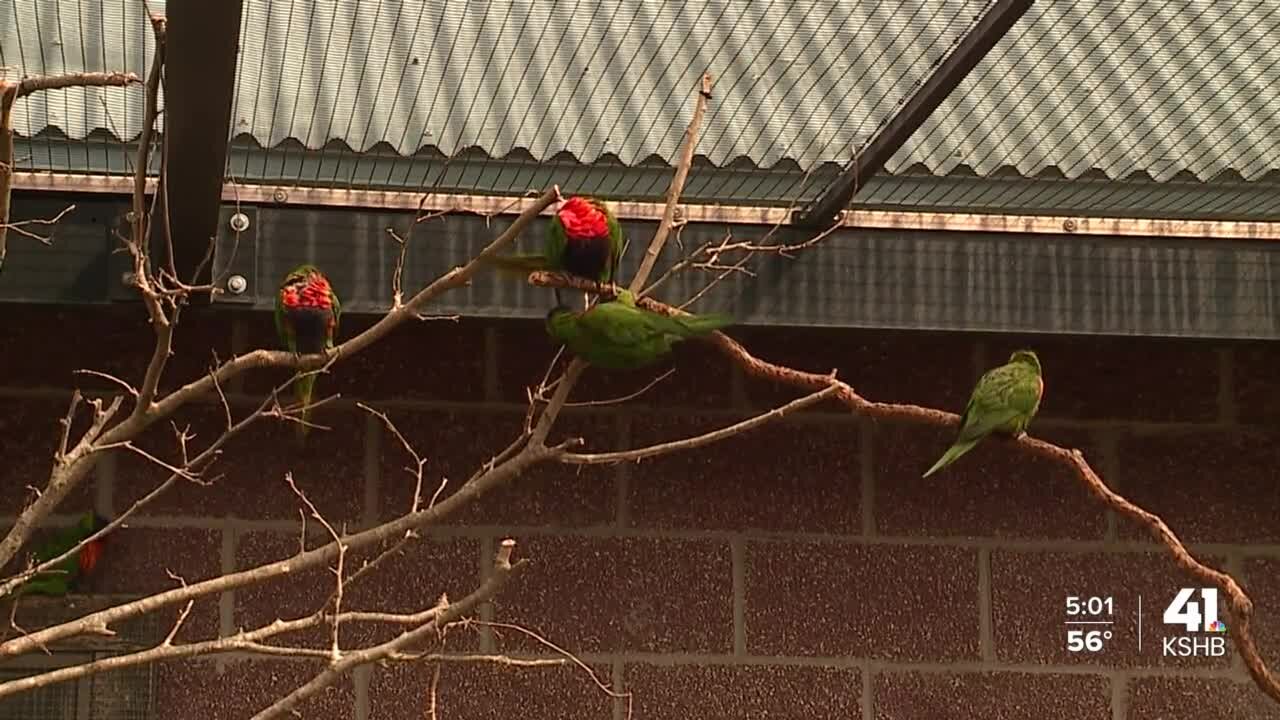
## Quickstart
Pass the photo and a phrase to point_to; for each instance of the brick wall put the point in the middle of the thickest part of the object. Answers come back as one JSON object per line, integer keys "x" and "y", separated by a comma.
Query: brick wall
{"x": 804, "y": 570}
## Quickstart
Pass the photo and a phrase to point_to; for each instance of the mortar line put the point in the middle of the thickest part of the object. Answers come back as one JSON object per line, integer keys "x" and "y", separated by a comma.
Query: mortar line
{"x": 360, "y": 681}
{"x": 226, "y": 601}
{"x": 1119, "y": 696}
{"x": 1235, "y": 566}
{"x": 965, "y": 542}
{"x": 372, "y": 470}
{"x": 622, "y": 474}
{"x": 1109, "y": 442}
{"x": 963, "y": 667}
{"x": 738, "y": 558}
{"x": 240, "y": 400}
{"x": 866, "y": 438}
{"x": 487, "y": 642}
{"x": 986, "y": 636}
{"x": 867, "y": 700}
{"x": 619, "y": 682}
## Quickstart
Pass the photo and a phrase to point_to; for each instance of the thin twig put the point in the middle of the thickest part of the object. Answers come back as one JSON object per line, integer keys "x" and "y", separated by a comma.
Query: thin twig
{"x": 698, "y": 441}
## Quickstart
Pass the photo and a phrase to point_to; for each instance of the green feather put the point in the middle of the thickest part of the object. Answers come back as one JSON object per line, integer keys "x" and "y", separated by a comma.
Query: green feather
{"x": 62, "y": 577}
{"x": 304, "y": 386}
{"x": 1004, "y": 401}
{"x": 620, "y": 336}
{"x": 554, "y": 246}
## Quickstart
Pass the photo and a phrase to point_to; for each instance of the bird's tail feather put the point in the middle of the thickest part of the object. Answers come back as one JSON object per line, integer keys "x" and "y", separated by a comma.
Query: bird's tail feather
{"x": 952, "y": 454}
{"x": 302, "y": 388}
{"x": 517, "y": 264}
{"x": 695, "y": 325}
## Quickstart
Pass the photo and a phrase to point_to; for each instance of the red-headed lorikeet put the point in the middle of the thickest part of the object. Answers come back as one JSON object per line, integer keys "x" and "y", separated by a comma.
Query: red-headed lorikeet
{"x": 64, "y": 577}
{"x": 583, "y": 239}
{"x": 307, "y": 314}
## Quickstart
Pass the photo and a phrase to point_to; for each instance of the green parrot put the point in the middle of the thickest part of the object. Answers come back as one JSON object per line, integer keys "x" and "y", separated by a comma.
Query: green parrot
{"x": 1005, "y": 400}
{"x": 64, "y": 576}
{"x": 307, "y": 314}
{"x": 583, "y": 239}
{"x": 620, "y": 336}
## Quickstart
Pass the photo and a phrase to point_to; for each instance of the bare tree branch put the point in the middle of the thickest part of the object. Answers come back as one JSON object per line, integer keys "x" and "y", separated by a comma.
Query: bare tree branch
{"x": 698, "y": 440}
{"x": 677, "y": 185}
{"x": 1238, "y": 603}
{"x": 81, "y": 79}
{"x": 503, "y": 569}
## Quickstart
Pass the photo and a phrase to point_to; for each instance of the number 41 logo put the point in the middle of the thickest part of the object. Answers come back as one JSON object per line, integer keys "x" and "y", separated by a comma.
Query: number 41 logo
{"x": 1185, "y": 611}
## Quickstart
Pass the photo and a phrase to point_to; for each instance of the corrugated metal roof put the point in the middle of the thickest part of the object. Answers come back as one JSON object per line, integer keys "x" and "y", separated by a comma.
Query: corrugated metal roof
{"x": 1118, "y": 85}
{"x": 289, "y": 165}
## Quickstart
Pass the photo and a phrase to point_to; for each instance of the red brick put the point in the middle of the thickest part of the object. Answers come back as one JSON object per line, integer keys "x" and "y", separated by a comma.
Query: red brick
{"x": 1209, "y": 487}
{"x": 484, "y": 690}
{"x": 987, "y": 492}
{"x": 138, "y": 561}
{"x": 411, "y": 581}
{"x": 702, "y": 377}
{"x": 122, "y": 344}
{"x": 885, "y": 366}
{"x": 1029, "y": 592}
{"x": 991, "y": 696}
{"x": 295, "y": 595}
{"x": 1188, "y": 698}
{"x": 29, "y": 432}
{"x": 1256, "y": 391}
{"x": 1098, "y": 377}
{"x": 456, "y": 444}
{"x": 1261, "y": 583}
{"x": 785, "y": 476}
{"x": 794, "y": 590}
{"x": 185, "y": 689}
{"x": 249, "y": 475}
{"x": 719, "y": 692}
{"x": 597, "y": 594}
{"x": 201, "y": 333}
{"x": 395, "y": 366}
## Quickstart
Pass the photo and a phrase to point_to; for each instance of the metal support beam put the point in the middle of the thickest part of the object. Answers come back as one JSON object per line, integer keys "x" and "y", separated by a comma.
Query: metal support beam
{"x": 824, "y": 211}
{"x": 199, "y": 81}
{"x": 387, "y": 201}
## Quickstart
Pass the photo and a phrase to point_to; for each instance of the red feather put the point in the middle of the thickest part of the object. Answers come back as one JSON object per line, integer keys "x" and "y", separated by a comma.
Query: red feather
{"x": 89, "y": 555}
{"x": 582, "y": 220}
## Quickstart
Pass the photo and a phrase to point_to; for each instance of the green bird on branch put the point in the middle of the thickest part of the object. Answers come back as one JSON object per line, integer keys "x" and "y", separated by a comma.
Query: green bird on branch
{"x": 1005, "y": 400}
{"x": 583, "y": 239}
{"x": 620, "y": 336}
{"x": 66, "y": 575}
{"x": 307, "y": 315}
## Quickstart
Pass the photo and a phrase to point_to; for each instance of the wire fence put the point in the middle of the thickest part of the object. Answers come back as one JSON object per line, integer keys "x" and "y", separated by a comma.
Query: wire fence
{"x": 507, "y": 96}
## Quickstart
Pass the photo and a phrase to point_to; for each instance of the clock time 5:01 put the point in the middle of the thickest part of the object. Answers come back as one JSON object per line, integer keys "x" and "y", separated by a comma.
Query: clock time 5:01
{"x": 1090, "y": 605}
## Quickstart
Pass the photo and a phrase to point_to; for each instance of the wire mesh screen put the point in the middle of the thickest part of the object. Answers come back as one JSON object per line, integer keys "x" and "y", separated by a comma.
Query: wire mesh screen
{"x": 503, "y": 96}
{"x": 123, "y": 694}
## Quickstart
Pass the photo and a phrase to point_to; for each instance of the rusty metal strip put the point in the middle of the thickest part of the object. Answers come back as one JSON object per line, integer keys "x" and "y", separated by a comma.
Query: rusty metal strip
{"x": 727, "y": 214}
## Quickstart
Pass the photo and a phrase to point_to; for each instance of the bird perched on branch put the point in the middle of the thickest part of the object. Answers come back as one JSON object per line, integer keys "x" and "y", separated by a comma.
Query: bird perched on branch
{"x": 620, "y": 336}
{"x": 583, "y": 239}
{"x": 65, "y": 576}
{"x": 307, "y": 314}
{"x": 1005, "y": 400}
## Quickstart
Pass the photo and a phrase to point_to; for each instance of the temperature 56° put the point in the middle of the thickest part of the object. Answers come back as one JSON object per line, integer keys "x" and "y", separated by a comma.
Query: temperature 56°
{"x": 1086, "y": 640}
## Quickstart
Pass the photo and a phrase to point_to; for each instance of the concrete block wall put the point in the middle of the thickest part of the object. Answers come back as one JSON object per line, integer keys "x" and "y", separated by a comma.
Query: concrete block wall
{"x": 803, "y": 570}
